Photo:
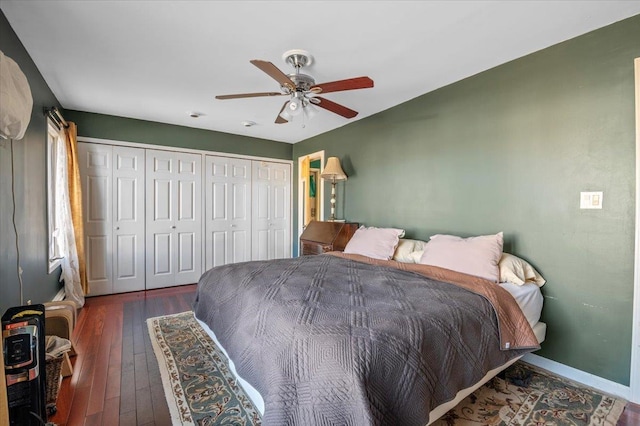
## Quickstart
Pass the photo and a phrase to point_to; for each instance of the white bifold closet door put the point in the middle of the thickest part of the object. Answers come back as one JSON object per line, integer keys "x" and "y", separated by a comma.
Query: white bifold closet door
{"x": 113, "y": 204}
{"x": 227, "y": 210}
{"x": 174, "y": 218}
{"x": 271, "y": 219}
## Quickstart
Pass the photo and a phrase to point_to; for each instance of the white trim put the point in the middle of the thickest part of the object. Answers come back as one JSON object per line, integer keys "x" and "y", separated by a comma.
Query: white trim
{"x": 179, "y": 149}
{"x": 54, "y": 257}
{"x": 634, "y": 379}
{"x": 317, "y": 154}
{"x": 579, "y": 376}
{"x": 60, "y": 295}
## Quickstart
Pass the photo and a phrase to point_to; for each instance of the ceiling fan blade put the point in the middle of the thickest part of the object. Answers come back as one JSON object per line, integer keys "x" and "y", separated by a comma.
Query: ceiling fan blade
{"x": 336, "y": 108}
{"x": 249, "y": 95}
{"x": 340, "y": 85}
{"x": 275, "y": 73}
{"x": 279, "y": 119}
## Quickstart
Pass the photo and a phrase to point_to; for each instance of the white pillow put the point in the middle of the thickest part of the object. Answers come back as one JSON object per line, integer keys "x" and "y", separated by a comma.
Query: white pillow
{"x": 377, "y": 243}
{"x": 518, "y": 271}
{"x": 477, "y": 256}
{"x": 406, "y": 249}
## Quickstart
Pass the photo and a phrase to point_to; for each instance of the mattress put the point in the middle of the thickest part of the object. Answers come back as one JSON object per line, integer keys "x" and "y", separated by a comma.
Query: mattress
{"x": 529, "y": 299}
{"x": 539, "y": 330}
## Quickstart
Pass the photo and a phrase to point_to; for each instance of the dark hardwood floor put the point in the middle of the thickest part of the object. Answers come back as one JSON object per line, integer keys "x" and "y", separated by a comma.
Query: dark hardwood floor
{"x": 116, "y": 379}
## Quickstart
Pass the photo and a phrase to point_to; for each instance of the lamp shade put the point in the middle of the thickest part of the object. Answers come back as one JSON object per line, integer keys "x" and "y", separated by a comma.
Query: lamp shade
{"x": 333, "y": 170}
{"x": 16, "y": 101}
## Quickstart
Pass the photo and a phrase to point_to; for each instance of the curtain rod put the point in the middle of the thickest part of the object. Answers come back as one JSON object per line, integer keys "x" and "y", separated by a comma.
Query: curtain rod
{"x": 56, "y": 116}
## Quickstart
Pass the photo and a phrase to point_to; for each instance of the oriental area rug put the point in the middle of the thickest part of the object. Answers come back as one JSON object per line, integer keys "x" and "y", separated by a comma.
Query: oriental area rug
{"x": 201, "y": 390}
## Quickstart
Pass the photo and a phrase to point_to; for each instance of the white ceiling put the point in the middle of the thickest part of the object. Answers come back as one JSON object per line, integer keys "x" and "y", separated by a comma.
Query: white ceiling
{"x": 159, "y": 60}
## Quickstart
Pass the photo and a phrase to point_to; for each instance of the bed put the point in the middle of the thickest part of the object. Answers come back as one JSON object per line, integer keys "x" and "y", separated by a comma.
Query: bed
{"x": 348, "y": 339}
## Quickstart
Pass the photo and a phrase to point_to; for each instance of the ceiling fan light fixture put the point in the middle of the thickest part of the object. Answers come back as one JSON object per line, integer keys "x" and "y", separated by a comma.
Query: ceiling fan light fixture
{"x": 310, "y": 111}
{"x": 295, "y": 106}
{"x": 285, "y": 115}
{"x": 302, "y": 89}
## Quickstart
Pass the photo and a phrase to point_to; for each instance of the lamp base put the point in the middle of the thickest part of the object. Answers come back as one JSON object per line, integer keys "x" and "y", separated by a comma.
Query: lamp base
{"x": 336, "y": 220}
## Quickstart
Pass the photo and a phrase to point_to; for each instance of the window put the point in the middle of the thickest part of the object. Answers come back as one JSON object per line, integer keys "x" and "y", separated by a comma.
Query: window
{"x": 56, "y": 173}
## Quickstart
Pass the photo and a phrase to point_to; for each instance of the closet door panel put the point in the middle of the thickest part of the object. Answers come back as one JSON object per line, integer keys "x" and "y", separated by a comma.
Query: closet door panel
{"x": 217, "y": 249}
{"x": 129, "y": 219}
{"x": 272, "y": 210}
{"x": 188, "y": 223}
{"x": 260, "y": 244}
{"x": 98, "y": 265}
{"x": 162, "y": 201}
{"x": 162, "y": 254}
{"x": 186, "y": 201}
{"x": 125, "y": 265}
{"x": 218, "y": 205}
{"x": 281, "y": 210}
{"x": 186, "y": 252}
{"x": 240, "y": 215}
{"x": 95, "y": 163}
{"x": 240, "y": 246}
{"x": 260, "y": 213}
{"x": 228, "y": 209}
{"x": 161, "y": 250}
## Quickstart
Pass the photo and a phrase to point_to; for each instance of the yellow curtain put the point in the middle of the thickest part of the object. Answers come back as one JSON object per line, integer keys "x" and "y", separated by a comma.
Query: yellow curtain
{"x": 75, "y": 200}
{"x": 304, "y": 172}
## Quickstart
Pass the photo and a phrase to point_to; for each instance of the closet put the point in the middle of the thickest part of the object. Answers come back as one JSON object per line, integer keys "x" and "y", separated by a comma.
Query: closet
{"x": 228, "y": 210}
{"x": 113, "y": 208}
{"x": 158, "y": 218}
{"x": 271, "y": 234}
{"x": 173, "y": 218}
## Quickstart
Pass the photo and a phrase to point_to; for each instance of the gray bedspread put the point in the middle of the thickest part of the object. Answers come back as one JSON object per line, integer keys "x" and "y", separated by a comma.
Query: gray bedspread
{"x": 330, "y": 340}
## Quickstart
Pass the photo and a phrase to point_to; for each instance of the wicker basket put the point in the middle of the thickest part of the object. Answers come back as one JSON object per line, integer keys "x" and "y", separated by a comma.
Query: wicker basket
{"x": 54, "y": 376}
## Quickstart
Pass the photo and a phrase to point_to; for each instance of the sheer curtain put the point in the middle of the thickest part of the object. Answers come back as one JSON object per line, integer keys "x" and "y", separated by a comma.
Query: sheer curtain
{"x": 70, "y": 264}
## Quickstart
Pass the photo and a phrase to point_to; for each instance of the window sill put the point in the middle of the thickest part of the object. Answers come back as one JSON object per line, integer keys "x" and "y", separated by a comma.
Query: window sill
{"x": 54, "y": 264}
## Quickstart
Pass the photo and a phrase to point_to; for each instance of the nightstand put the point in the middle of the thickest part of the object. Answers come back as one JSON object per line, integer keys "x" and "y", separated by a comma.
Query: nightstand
{"x": 321, "y": 237}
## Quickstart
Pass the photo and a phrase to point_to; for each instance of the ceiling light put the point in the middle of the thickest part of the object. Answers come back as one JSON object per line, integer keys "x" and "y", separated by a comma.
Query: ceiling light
{"x": 194, "y": 114}
{"x": 248, "y": 123}
{"x": 294, "y": 107}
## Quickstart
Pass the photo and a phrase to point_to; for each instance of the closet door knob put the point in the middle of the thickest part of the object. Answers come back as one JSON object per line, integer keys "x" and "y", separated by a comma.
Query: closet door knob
{"x": 117, "y": 228}
{"x": 233, "y": 226}
{"x": 173, "y": 227}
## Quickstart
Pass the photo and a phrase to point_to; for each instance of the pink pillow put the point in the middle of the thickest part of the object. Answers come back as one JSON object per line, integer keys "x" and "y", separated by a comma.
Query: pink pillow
{"x": 378, "y": 243}
{"x": 477, "y": 256}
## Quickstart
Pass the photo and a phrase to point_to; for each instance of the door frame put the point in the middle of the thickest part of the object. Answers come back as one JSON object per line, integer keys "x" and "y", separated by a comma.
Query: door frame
{"x": 301, "y": 185}
{"x": 634, "y": 380}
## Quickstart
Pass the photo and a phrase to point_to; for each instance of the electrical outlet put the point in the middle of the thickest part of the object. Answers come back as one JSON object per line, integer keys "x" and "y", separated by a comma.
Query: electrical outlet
{"x": 29, "y": 302}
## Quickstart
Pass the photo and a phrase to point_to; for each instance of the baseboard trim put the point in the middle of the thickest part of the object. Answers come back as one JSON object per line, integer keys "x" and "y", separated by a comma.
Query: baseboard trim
{"x": 59, "y": 297}
{"x": 579, "y": 376}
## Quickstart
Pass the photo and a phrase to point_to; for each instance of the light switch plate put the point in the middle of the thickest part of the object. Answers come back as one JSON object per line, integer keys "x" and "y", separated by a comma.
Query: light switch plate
{"x": 591, "y": 200}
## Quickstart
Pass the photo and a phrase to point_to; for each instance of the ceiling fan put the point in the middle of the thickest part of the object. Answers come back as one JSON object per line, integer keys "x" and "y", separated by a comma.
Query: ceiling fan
{"x": 302, "y": 88}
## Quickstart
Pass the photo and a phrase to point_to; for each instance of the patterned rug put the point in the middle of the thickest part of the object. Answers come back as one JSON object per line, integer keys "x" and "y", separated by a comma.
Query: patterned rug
{"x": 198, "y": 385}
{"x": 526, "y": 395}
{"x": 200, "y": 389}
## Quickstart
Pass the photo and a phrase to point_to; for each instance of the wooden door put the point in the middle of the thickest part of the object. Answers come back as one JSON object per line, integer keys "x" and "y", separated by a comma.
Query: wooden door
{"x": 228, "y": 211}
{"x": 128, "y": 219}
{"x": 96, "y": 172}
{"x": 173, "y": 218}
{"x": 188, "y": 218}
{"x": 271, "y": 210}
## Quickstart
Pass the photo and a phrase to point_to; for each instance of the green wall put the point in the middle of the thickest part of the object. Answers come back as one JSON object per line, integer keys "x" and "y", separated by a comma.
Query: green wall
{"x": 506, "y": 150}
{"x": 30, "y": 165}
{"x": 149, "y": 132}
{"x": 509, "y": 150}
